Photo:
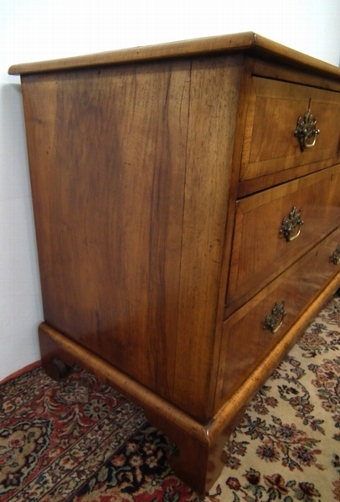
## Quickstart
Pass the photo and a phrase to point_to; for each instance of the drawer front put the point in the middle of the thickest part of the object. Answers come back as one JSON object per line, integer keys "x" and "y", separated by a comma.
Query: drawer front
{"x": 274, "y": 107}
{"x": 245, "y": 342}
{"x": 260, "y": 251}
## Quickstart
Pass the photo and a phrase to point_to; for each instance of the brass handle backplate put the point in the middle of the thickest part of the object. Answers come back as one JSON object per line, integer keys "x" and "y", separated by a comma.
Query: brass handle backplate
{"x": 335, "y": 258}
{"x": 291, "y": 226}
{"x": 305, "y": 130}
{"x": 274, "y": 321}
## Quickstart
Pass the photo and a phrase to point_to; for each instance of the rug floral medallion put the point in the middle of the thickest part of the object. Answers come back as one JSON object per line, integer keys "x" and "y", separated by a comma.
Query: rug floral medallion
{"x": 79, "y": 440}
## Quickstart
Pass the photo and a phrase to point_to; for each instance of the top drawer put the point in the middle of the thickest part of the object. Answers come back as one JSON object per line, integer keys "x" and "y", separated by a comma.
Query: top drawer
{"x": 274, "y": 107}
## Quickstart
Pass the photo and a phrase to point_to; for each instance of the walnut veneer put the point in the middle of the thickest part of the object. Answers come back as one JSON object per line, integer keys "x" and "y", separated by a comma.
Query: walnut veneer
{"x": 161, "y": 177}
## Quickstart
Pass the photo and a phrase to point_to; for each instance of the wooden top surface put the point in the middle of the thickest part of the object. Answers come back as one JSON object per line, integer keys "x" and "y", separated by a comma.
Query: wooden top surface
{"x": 248, "y": 41}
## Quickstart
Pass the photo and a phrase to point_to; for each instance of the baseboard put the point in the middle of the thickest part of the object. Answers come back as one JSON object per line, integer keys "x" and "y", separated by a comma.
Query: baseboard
{"x": 20, "y": 372}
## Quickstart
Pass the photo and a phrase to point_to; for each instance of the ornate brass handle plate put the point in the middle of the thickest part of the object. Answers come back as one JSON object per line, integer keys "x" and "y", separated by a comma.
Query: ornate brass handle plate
{"x": 291, "y": 226}
{"x": 305, "y": 129}
{"x": 274, "y": 321}
{"x": 335, "y": 258}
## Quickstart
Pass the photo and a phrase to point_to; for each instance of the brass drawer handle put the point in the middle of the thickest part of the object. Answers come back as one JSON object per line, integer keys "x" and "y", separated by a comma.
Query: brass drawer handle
{"x": 335, "y": 258}
{"x": 305, "y": 129}
{"x": 274, "y": 321}
{"x": 290, "y": 224}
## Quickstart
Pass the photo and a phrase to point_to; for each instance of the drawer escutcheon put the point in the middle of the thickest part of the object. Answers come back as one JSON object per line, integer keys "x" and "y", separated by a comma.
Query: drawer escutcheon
{"x": 305, "y": 129}
{"x": 274, "y": 321}
{"x": 335, "y": 258}
{"x": 289, "y": 225}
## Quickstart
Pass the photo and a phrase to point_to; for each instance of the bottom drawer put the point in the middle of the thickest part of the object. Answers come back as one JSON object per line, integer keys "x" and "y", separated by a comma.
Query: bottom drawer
{"x": 246, "y": 340}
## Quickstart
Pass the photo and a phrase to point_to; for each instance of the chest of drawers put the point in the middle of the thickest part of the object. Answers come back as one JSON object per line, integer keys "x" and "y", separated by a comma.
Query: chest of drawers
{"x": 187, "y": 212}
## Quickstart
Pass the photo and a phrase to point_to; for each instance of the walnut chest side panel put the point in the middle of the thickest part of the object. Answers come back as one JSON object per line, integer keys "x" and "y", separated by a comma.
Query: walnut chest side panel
{"x": 130, "y": 172}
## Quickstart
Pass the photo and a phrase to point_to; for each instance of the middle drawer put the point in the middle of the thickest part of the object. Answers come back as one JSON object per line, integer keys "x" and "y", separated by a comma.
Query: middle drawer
{"x": 261, "y": 250}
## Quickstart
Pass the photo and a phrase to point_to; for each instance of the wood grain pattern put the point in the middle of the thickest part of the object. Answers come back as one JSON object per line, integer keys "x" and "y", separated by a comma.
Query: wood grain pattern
{"x": 224, "y": 44}
{"x": 246, "y": 390}
{"x": 207, "y": 439}
{"x": 276, "y": 71}
{"x": 257, "y": 227}
{"x": 200, "y": 458}
{"x": 253, "y": 185}
{"x": 115, "y": 191}
{"x": 247, "y": 41}
{"x": 137, "y": 160}
{"x": 273, "y": 110}
{"x": 141, "y": 305}
{"x": 213, "y": 106}
{"x": 245, "y": 341}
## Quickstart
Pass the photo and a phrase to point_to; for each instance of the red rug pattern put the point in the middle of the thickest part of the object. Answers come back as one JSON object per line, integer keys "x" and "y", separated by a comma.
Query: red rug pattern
{"x": 79, "y": 440}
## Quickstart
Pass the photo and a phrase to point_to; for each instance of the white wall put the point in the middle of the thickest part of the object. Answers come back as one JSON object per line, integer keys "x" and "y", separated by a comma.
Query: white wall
{"x": 39, "y": 29}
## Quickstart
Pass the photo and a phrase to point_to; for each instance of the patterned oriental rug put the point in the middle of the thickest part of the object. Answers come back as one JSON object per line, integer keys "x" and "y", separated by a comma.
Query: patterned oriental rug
{"x": 79, "y": 440}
